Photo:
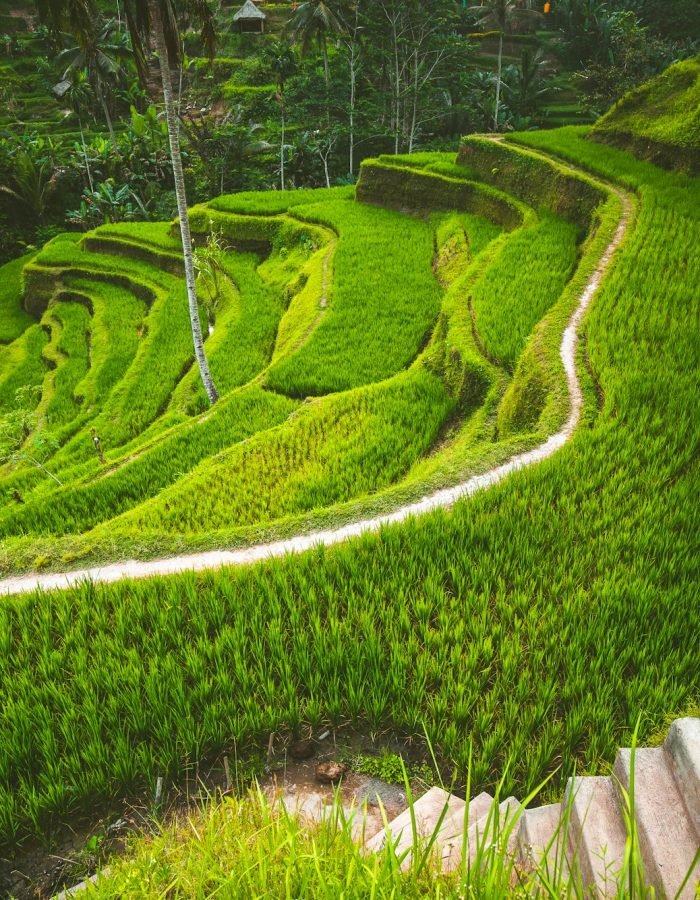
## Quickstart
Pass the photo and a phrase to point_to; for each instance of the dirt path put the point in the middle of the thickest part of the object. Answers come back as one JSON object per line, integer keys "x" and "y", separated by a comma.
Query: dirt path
{"x": 440, "y": 499}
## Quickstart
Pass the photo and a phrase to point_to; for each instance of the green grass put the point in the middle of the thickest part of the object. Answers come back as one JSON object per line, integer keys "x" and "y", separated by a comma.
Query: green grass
{"x": 13, "y": 318}
{"x": 251, "y": 844}
{"x": 163, "y": 356}
{"x": 537, "y": 621}
{"x": 459, "y": 239}
{"x": 22, "y": 365}
{"x": 332, "y": 450}
{"x": 327, "y": 448}
{"x": 118, "y": 319}
{"x": 276, "y": 202}
{"x": 99, "y": 496}
{"x": 383, "y": 304}
{"x": 157, "y": 234}
{"x": 523, "y": 283}
{"x": 660, "y": 120}
{"x": 72, "y": 350}
{"x": 244, "y": 334}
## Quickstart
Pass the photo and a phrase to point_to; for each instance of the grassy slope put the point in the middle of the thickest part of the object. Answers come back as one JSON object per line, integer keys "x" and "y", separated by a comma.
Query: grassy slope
{"x": 468, "y": 450}
{"x": 320, "y": 473}
{"x": 526, "y": 280}
{"x": 384, "y": 302}
{"x": 13, "y": 318}
{"x": 660, "y": 120}
{"x": 536, "y": 621}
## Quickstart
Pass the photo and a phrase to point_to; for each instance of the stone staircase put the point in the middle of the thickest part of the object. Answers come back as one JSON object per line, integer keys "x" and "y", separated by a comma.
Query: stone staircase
{"x": 586, "y": 834}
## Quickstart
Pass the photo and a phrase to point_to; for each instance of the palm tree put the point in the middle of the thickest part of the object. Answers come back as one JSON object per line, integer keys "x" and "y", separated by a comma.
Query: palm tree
{"x": 527, "y": 84}
{"x": 157, "y": 19}
{"x": 155, "y": 23}
{"x": 78, "y": 97}
{"x": 315, "y": 20}
{"x": 99, "y": 52}
{"x": 499, "y": 15}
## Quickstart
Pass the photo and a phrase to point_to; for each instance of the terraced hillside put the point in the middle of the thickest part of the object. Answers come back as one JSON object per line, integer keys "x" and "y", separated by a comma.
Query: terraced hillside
{"x": 660, "y": 120}
{"x": 369, "y": 349}
{"x": 348, "y": 362}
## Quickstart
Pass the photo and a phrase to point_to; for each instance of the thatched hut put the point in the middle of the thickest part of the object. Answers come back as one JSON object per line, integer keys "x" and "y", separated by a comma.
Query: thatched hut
{"x": 249, "y": 19}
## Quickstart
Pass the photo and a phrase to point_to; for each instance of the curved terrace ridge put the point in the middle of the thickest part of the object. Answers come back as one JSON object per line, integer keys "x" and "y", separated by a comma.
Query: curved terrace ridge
{"x": 440, "y": 499}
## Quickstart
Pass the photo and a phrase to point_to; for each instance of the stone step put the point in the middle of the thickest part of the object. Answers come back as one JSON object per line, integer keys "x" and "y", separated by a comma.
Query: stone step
{"x": 451, "y": 848}
{"x": 427, "y": 810}
{"x": 683, "y": 746}
{"x": 667, "y": 837}
{"x": 596, "y": 833}
{"x": 541, "y": 835}
{"x": 479, "y": 811}
{"x": 495, "y": 825}
{"x": 486, "y": 826}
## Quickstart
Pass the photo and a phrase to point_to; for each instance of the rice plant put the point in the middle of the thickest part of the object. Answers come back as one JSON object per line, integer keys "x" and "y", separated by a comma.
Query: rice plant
{"x": 524, "y": 282}
{"x": 85, "y": 502}
{"x": 329, "y": 451}
{"x": 14, "y": 320}
{"x": 385, "y": 300}
{"x": 22, "y": 365}
{"x": 256, "y": 844}
{"x": 538, "y": 620}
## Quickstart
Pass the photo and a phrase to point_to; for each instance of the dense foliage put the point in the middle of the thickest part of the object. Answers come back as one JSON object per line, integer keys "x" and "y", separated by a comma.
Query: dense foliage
{"x": 81, "y": 141}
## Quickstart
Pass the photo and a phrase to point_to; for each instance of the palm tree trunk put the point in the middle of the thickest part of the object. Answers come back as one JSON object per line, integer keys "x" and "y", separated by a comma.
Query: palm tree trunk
{"x": 87, "y": 161}
{"x": 353, "y": 79}
{"x": 498, "y": 81}
{"x": 179, "y": 178}
{"x": 282, "y": 152}
{"x": 108, "y": 119}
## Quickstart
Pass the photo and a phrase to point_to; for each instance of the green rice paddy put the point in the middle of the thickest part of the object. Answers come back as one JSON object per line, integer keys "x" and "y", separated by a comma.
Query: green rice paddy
{"x": 366, "y": 354}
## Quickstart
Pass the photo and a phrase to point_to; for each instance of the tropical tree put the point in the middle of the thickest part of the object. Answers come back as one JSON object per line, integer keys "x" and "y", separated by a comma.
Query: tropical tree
{"x": 32, "y": 183}
{"x": 107, "y": 203}
{"x": 315, "y": 20}
{"x": 352, "y": 47}
{"x": 99, "y": 51}
{"x": 78, "y": 96}
{"x": 223, "y": 147}
{"x": 154, "y": 24}
{"x": 156, "y": 21}
{"x": 499, "y": 16}
{"x": 525, "y": 84}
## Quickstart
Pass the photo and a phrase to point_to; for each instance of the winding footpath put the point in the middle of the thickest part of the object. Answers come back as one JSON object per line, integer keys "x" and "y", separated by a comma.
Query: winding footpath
{"x": 439, "y": 500}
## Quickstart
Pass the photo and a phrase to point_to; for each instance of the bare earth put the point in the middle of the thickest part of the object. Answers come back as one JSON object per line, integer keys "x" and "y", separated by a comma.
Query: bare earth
{"x": 439, "y": 500}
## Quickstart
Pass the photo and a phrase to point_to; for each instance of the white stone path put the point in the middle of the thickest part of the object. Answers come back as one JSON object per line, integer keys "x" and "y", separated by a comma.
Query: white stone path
{"x": 439, "y": 500}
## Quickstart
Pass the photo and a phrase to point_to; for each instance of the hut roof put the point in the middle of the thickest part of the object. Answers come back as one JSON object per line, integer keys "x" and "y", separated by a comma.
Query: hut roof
{"x": 249, "y": 11}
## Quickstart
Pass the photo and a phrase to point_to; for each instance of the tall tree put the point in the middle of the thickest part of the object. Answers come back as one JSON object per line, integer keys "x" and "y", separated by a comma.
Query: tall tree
{"x": 315, "y": 20}
{"x": 78, "y": 99}
{"x": 352, "y": 46}
{"x": 153, "y": 24}
{"x": 499, "y": 15}
{"x": 279, "y": 57}
{"x": 99, "y": 51}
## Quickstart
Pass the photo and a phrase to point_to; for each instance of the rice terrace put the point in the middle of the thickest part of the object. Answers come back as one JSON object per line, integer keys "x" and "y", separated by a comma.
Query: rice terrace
{"x": 349, "y": 449}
